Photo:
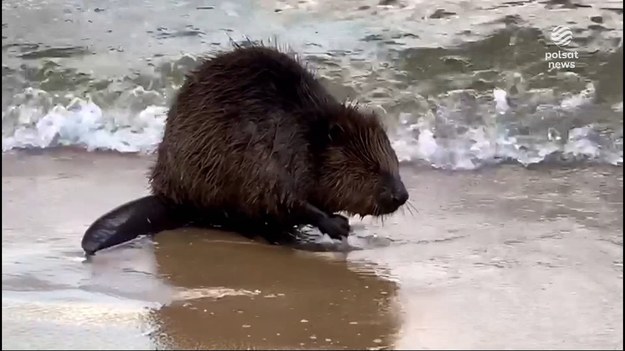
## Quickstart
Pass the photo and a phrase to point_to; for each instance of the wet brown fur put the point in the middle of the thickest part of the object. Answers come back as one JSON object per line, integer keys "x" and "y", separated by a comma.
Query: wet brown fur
{"x": 254, "y": 135}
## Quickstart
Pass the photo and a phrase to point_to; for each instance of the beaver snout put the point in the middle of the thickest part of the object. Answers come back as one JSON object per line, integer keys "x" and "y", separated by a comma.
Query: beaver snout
{"x": 393, "y": 195}
{"x": 400, "y": 194}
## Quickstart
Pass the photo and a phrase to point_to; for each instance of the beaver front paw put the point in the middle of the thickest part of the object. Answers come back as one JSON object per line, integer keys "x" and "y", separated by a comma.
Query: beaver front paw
{"x": 336, "y": 226}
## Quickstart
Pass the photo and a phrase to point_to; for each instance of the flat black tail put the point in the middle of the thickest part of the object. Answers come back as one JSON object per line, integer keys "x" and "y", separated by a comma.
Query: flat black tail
{"x": 148, "y": 215}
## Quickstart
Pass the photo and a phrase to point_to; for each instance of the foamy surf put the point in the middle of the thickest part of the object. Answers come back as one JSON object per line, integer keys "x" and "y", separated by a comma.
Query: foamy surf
{"x": 83, "y": 123}
{"x": 417, "y": 137}
{"x": 492, "y": 143}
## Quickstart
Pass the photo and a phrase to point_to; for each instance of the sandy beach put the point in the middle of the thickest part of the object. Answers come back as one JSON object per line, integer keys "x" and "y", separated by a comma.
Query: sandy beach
{"x": 499, "y": 258}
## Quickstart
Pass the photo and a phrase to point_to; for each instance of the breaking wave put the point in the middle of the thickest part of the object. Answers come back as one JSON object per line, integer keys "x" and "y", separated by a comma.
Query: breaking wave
{"x": 443, "y": 136}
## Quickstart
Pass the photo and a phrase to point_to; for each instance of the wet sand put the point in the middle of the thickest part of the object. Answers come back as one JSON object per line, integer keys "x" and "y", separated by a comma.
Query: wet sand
{"x": 498, "y": 258}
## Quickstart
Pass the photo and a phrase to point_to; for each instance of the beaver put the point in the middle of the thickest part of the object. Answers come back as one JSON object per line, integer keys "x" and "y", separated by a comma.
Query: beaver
{"x": 252, "y": 139}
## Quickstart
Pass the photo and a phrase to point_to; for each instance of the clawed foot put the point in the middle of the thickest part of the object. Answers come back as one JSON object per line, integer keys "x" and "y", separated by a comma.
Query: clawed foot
{"x": 336, "y": 226}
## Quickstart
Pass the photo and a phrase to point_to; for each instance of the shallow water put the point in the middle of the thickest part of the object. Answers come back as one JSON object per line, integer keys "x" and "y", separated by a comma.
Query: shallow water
{"x": 523, "y": 251}
{"x": 539, "y": 265}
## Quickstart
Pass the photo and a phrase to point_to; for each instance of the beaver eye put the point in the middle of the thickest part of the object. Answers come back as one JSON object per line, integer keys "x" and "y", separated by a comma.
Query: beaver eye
{"x": 334, "y": 133}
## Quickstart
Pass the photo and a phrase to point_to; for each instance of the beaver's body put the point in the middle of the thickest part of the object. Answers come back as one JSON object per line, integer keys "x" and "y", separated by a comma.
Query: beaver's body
{"x": 252, "y": 137}
{"x": 238, "y": 137}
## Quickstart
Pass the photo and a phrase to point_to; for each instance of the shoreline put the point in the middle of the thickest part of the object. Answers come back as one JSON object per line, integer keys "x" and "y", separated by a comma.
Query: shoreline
{"x": 498, "y": 257}
{"x": 409, "y": 166}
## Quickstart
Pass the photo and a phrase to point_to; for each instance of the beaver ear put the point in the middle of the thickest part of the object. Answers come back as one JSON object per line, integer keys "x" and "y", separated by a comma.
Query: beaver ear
{"x": 335, "y": 131}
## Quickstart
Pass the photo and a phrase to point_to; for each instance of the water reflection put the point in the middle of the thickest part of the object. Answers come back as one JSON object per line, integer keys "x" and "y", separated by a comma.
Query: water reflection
{"x": 242, "y": 294}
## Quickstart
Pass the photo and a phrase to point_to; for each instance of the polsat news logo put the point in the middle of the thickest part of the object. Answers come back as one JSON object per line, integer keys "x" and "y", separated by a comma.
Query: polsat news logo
{"x": 563, "y": 58}
{"x": 561, "y": 36}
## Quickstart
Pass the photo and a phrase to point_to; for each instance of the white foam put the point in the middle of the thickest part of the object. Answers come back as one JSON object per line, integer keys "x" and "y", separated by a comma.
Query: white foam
{"x": 486, "y": 144}
{"x": 477, "y": 148}
{"x": 578, "y": 100}
{"x": 83, "y": 123}
{"x": 501, "y": 100}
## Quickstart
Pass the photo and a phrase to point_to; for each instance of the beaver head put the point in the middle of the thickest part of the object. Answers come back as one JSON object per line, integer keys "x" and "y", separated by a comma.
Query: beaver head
{"x": 359, "y": 170}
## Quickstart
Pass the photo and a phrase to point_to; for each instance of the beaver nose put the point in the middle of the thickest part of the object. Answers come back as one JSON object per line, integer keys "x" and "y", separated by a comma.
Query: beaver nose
{"x": 399, "y": 194}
